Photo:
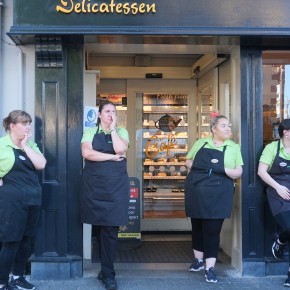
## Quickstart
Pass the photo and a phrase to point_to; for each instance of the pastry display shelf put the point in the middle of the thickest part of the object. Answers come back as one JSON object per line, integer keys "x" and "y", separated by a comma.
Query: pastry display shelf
{"x": 162, "y": 110}
{"x": 171, "y": 150}
{"x": 165, "y": 177}
{"x": 164, "y": 136}
{"x": 164, "y": 163}
{"x": 164, "y": 194}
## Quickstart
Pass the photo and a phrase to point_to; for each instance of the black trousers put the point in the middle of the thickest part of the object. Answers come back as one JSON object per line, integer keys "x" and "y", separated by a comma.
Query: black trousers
{"x": 15, "y": 254}
{"x": 283, "y": 220}
{"x": 107, "y": 237}
{"x": 206, "y": 236}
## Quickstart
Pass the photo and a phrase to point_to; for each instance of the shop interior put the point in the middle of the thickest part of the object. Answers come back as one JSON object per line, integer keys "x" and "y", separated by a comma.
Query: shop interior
{"x": 164, "y": 89}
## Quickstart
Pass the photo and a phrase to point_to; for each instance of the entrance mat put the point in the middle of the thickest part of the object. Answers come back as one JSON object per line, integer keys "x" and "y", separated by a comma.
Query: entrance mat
{"x": 151, "y": 252}
{"x": 155, "y": 252}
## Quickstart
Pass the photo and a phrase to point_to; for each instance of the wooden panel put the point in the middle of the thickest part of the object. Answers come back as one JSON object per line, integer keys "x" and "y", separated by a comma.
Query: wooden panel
{"x": 50, "y": 101}
{"x": 50, "y": 234}
{"x": 171, "y": 17}
{"x": 252, "y": 145}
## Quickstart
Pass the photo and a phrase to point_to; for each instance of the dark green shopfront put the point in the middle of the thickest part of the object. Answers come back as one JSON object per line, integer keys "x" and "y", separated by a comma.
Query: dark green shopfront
{"x": 60, "y": 30}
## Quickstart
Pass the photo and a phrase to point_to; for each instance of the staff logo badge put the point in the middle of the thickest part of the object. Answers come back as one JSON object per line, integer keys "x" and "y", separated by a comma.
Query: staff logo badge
{"x": 22, "y": 157}
{"x": 283, "y": 164}
{"x": 214, "y": 161}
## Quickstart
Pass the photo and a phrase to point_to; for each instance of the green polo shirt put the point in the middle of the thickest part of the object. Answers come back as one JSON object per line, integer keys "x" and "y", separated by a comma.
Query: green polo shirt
{"x": 89, "y": 133}
{"x": 270, "y": 151}
{"x": 7, "y": 157}
{"x": 233, "y": 155}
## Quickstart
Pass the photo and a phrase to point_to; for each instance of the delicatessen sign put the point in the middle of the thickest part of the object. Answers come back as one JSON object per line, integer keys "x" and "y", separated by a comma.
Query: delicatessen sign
{"x": 109, "y": 7}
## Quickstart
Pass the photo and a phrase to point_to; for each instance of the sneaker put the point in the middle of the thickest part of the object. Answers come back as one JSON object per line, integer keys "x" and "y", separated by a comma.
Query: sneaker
{"x": 210, "y": 275}
{"x": 21, "y": 283}
{"x": 287, "y": 281}
{"x": 110, "y": 284}
{"x": 196, "y": 266}
{"x": 8, "y": 287}
{"x": 278, "y": 249}
{"x": 101, "y": 276}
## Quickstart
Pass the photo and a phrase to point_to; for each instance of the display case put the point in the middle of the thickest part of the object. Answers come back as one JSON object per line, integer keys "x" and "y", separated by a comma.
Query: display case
{"x": 206, "y": 107}
{"x": 165, "y": 145}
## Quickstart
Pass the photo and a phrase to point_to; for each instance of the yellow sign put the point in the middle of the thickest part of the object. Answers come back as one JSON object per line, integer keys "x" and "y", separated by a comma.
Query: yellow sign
{"x": 156, "y": 145}
{"x": 129, "y": 235}
{"x": 86, "y": 6}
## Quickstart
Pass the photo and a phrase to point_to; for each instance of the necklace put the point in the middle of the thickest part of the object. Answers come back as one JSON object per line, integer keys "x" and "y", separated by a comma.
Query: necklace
{"x": 217, "y": 143}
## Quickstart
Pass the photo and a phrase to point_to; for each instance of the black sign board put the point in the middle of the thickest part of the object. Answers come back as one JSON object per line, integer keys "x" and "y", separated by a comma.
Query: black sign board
{"x": 132, "y": 229}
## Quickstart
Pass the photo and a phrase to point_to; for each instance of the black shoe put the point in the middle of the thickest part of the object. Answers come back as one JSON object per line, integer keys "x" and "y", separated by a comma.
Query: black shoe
{"x": 100, "y": 276}
{"x": 278, "y": 249}
{"x": 110, "y": 284}
{"x": 287, "y": 281}
{"x": 21, "y": 283}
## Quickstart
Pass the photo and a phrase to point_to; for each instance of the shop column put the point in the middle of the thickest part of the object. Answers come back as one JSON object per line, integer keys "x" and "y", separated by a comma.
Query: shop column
{"x": 59, "y": 97}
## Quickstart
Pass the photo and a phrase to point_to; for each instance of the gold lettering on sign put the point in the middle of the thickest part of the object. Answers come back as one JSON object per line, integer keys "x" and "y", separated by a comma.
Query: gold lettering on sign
{"x": 85, "y": 6}
{"x": 156, "y": 145}
{"x": 172, "y": 96}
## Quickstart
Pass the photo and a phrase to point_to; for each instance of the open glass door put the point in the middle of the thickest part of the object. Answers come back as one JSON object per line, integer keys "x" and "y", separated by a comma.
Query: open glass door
{"x": 163, "y": 146}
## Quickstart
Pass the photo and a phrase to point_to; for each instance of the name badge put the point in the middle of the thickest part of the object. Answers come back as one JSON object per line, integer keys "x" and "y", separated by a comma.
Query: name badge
{"x": 22, "y": 157}
{"x": 214, "y": 161}
{"x": 283, "y": 164}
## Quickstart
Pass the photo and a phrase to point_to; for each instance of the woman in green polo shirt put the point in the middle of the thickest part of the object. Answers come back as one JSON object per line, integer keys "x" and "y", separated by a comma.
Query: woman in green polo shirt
{"x": 274, "y": 169}
{"x": 214, "y": 163}
{"x": 20, "y": 198}
{"x": 105, "y": 186}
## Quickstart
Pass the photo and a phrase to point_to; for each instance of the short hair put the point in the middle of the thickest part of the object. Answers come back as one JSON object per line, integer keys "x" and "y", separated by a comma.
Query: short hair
{"x": 284, "y": 125}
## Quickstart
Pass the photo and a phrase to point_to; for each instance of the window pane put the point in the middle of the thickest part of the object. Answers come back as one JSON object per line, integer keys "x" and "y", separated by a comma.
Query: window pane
{"x": 276, "y": 92}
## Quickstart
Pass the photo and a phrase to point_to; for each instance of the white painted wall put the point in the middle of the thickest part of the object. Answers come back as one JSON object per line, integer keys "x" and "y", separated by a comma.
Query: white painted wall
{"x": 90, "y": 91}
{"x": 17, "y": 89}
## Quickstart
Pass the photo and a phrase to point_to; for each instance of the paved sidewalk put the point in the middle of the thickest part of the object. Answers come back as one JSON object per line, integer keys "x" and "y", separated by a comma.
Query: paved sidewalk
{"x": 164, "y": 276}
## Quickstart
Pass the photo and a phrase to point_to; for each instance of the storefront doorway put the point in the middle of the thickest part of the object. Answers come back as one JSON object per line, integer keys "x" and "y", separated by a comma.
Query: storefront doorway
{"x": 188, "y": 101}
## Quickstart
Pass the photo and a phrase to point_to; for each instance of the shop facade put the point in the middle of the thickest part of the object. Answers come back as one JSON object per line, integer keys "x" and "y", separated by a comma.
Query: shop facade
{"x": 185, "y": 59}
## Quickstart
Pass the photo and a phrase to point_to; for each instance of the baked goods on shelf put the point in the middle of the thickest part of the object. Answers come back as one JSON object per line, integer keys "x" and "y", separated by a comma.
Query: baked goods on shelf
{"x": 161, "y": 174}
{"x": 148, "y": 174}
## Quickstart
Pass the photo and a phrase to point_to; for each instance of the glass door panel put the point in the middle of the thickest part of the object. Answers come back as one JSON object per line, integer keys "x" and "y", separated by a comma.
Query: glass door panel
{"x": 164, "y": 147}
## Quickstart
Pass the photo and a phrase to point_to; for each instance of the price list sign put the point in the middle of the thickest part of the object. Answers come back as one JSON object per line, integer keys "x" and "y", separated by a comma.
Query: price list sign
{"x": 132, "y": 229}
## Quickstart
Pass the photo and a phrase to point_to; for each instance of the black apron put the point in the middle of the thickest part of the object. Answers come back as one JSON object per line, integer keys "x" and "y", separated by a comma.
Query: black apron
{"x": 20, "y": 189}
{"x": 280, "y": 172}
{"x": 105, "y": 191}
{"x": 208, "y": 190}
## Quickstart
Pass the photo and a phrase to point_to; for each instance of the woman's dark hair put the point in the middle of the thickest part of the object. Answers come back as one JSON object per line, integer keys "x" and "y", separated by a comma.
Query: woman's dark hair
{"x": 215, "y": 119}
{"x": 102, "y": 105}
{"x": 284, "y": 125}
{"x": 14, "y": 117}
